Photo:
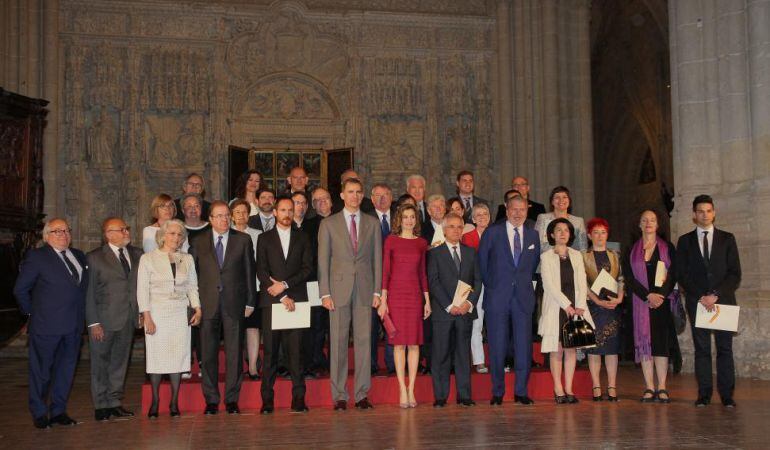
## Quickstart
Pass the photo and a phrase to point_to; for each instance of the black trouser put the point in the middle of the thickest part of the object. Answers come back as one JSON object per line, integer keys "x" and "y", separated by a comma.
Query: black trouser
{"x": 291, "y": 341}
{"x": 701, "y": 339}
{"x": 313, "y": 339}
{"x": 233, "y": 330}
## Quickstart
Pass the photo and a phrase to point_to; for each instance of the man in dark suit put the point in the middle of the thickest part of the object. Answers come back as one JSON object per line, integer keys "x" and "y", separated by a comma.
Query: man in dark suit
{"x": 284, "y": 260}
{"x": 509, "y": 253}
{"x": 502, "y": 211}
{"x": 112, "y": 316}
{"x": 366, "y": 203}
{"x": 264, "y": 220}
{"x": 534, "y": 209}
{"x": 224, "y": 261}
{"x": 51, "y": 289}
{"x": 415, "y": 186}
{"x": 382, "y": 197}
{"x": 298, "y": 180}
{"x": 465, "y": 187}
{"x": 193, "y": 184}
{"x": 447, "y": 264}
{"x": 710, "y": 273}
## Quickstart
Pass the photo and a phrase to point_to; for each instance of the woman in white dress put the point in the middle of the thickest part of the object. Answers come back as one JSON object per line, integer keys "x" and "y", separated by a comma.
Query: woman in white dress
{"x": 166, "y": 286}
{"x": 561, "y": 204}
{"x": 240, "y": 212}
{"x": 564, "y": 296}
{"x": 162, "y": 209}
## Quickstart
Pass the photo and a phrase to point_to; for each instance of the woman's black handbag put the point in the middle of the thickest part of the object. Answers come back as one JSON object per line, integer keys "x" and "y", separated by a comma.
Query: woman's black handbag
{"x": 677, "y": 312}
{"x": 577, "y": 333}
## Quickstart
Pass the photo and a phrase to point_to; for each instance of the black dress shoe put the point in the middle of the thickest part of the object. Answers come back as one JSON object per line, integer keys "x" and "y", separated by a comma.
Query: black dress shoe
{"x": 41, "y": 422}
{"x": 364, "y": 403}
{"x": 728, "y": 403}
{"x": 340, "y": 405}
{"x": 310, "y": 375}
{"x": 466, "y": 402}
{"x": 232, "y": 408}
{"x": 153, "y": 412}
{"x": 299, "y": 406}
{"x": 119, "y": 411}
{"x": 63, "y": 419}
{"x": 173, "y": 410}
{"x": 496, "y": 400}
{"x": 102, "y": 414}
{"x": 523, "y": 399}
{"x": 571, "y": 399}
{"x": 211, "y": 409}
{"x": 266, "y": 409}
{"x": 702, "y": 402}
{"x": 439, "y": 403}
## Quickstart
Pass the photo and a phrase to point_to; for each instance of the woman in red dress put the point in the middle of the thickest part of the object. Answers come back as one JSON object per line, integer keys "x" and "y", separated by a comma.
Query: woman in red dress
{"x": 405, "y": 295}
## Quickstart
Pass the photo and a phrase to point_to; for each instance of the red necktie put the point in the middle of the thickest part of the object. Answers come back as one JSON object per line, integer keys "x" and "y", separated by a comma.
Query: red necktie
{"x": 353, "y": 233}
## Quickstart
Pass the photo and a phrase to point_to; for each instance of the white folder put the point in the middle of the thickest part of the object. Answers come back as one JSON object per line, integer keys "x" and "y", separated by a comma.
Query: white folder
{"x": 723, "y": 317}
{"x": 289, "y": 320}
{"x": 313, "y": 295}
{"x": 660, "y": 274}
{"x": 604, "y": 281}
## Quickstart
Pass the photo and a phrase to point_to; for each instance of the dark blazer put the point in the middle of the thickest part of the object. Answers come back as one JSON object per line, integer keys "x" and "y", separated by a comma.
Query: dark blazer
{"x": 47, "y": 292}
{"x": 427, "y": 230}
{"x": 234, "y": 285}
{"x": 256, "y": 222}
{"x": 468, "y": 212}
{"x": 294, "y": 269}
{"x": 111, "y": 295}
{"x": 534, "y": 209}
{"x": 504, "y": 282}
{"x": 204, "y": 210}
{"x": 722, "y": 275}
{"x": 443, "y": 277}
{"x": 310, "y": 228}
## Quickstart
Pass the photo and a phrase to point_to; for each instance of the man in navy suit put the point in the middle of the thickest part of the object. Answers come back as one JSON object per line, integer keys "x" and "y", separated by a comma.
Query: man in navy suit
{"x": 509, "y": 253}
{"x": 51, "y": 289}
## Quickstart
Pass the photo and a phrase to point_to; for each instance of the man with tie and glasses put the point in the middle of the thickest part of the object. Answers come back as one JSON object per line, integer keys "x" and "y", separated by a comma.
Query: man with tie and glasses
{"x": 509, "y": 253}
{"x": 710, "y": 273}
{"x": 112, "y": 315}
{"x": 224, "y": 260}
{"x": 51, "y": 289}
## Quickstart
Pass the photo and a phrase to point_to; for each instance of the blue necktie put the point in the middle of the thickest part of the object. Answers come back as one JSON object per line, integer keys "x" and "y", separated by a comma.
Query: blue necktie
{"x": 385, "y": 226}
{"x": 220, "y": 251}
{"x": 516, "y": 246}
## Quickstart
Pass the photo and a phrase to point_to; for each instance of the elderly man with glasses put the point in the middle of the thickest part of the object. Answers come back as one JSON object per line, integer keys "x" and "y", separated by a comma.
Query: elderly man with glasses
{"x": 51, "y": 289}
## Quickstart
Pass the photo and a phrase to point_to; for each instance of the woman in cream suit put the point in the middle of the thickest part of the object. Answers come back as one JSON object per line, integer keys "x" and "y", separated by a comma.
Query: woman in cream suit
{"x": 166, "y": 285}
{"x": 564, "y": 296}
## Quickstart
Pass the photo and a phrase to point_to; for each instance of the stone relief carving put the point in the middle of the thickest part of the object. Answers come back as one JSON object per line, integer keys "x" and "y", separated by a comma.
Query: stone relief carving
{"x": 174, "y": 79}
{"x": 173, "y": 141}
{"x": 286, "y": 99}
{"x": 395, "y": 144}
{"x": 102, "y": 137}
{"x": 393, "y": 86}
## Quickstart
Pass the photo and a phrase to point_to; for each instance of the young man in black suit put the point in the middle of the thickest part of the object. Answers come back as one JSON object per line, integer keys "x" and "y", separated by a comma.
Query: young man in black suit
{"x": 447, "y": 264}
{"x": 224, "y": 261}
{"x": 284, "y": 263}
{"x": 710, "y": 273}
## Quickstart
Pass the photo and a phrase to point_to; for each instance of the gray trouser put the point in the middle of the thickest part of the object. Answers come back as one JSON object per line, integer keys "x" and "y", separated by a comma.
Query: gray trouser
{"x": 109, "y": 362}
{"x": 339, "y": 331}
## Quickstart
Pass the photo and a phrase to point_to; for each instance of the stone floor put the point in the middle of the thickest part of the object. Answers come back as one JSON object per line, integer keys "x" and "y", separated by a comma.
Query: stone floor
{"x": 627, "y": 424}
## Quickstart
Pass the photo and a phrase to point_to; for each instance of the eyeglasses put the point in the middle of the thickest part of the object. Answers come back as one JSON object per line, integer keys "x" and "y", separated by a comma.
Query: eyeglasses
{"x": 195, "y": 185}
{"x": 60, "y": 232}
{"x": 121, "y": 230}
{"x": 221, "y": 216}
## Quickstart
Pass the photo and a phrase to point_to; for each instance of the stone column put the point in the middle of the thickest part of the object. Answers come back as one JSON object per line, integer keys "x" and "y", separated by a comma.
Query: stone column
{"x": 505, "y": 86}
{"x": 721, "y": 130}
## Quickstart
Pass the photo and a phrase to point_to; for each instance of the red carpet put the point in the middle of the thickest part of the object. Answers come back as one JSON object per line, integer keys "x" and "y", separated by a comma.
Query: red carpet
{"x": 384, "y": 390}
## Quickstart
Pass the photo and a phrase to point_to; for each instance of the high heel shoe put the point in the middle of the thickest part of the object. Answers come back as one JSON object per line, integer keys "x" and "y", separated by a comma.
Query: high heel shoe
{"x": 611, "y": 398}
{"x": 173, "y": 410}
{"x": 571, "y": 399}
{"x": 595, "y": 397}
{"x": 560, "y": 399}
{"x": 153, "y": 412}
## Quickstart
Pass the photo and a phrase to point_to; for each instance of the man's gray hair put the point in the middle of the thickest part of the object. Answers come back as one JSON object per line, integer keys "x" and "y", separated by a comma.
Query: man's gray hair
{"x": 195, "y": 196}
{"x": 160, "y": 236}
{"x": 415, "y": 176}
{"x": 382, "y": 185}
{"x": 479, "y": 207}
{"x": 436, "y": 197}
{"x": 450, "y": 216}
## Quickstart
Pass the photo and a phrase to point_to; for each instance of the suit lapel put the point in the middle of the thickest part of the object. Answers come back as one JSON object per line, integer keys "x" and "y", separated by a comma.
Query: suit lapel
{"x": 112, "y": 260}
{"x": 63, "y": 269}
{"x": 346, "y": 232}
{"x": 292, "y": 235}
{"x": 228, "y": 248}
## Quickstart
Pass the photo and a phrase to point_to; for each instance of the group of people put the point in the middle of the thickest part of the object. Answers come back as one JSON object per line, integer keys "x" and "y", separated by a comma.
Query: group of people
{"x": 384, "y": 266}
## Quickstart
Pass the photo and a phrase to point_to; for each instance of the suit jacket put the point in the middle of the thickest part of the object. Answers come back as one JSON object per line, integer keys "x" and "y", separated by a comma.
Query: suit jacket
{"x": 476, "y": 200}
{"x": 443, "y": 277}
{"x": 255, "y": 222}
{"x": 533, "y": 210}
{"x": 235, "y": 283}
{"x": 503, "y": 281}
{"x": 339, "y": 269}
{"x": 722, "y": 275}
{"x": 294, "y": 269}
{"x": 47, "y": 292}
{"x": 111, "y": 295}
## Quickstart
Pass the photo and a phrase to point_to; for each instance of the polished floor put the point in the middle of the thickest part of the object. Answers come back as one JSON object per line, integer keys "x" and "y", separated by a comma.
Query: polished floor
{"x": 627, "y": 424}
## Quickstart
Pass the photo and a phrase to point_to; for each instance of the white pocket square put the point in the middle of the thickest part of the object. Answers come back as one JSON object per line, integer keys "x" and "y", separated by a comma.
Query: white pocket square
{"x": 531, "y": 247}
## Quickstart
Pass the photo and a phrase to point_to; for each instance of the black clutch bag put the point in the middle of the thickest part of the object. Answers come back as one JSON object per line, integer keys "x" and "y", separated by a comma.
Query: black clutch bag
{"x": 577, "y": 333}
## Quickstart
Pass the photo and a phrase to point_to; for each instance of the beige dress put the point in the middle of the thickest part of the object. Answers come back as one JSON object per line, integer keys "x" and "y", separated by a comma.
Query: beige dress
{"x": 167, "y": 298}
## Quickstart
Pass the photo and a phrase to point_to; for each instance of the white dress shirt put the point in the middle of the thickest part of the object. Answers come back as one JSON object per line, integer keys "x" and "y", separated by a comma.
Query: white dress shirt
{"x": 284, "y": 235}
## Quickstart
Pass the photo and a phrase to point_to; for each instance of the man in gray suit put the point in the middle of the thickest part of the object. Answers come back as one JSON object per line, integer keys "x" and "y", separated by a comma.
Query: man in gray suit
{"x": 350, "y": 281}
{"x": 112, "y": 315}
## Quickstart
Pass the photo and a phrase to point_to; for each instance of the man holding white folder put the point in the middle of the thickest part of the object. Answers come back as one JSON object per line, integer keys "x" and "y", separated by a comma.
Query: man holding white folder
{"x": 710, "y": 273}
{"x": 284, "y": 262}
